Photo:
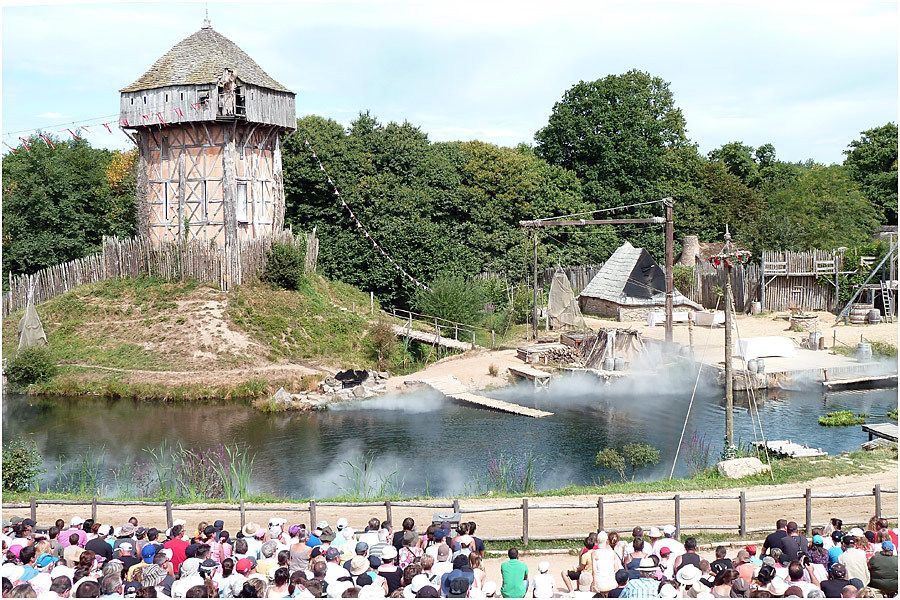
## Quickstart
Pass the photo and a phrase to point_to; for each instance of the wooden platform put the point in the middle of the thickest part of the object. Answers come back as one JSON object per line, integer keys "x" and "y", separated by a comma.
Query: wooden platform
{"x": 540, "y": 379}
{"x": 871, "y": 381}
{"x": 455, "y": 390}
{"x": 790, "y": 449}
{"x": 431, "y": 338}
{"x": 887, "y": 431}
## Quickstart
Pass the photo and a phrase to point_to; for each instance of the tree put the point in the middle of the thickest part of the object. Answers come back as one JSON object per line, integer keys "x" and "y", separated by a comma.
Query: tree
{"x": 616, "y": 133}
{"x": 609, "y": 458}
{"x": 822, "y": 208}
{"x": 738, "y": 160}
{"x": 872, "y": 163}
{"x": 60, "y": 200}
{"x": 640, "y": 455}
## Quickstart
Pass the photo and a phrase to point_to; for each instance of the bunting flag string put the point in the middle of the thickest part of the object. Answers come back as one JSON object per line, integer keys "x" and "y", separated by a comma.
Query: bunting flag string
{"x": 359, "y": 224}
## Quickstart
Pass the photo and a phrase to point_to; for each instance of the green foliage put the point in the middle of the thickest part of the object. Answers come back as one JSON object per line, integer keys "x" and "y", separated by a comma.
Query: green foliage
{"x": 849, "y": 282}
{"x": 892, "y": 414}
{"x": 872, "y": 163}
{"x": 610, "y": 458}
{"x": 633, "y": 455}
{"x": 453, "y": 298}
{"x": 842, "y": 418}
{"x": 640, "y": 455}
{"x": 59, "y": 202}
{"x": 22, "y": 464}
{"x": 822, "y": 208}
{"x": 31, "y": 365}
{"x": 284, "y": 266}
{"x": 381, "y": 343}
{"x": 683, "y": 277}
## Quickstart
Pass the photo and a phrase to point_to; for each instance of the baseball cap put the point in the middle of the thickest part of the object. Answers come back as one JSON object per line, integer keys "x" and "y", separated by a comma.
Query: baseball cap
{"x": 751, "y": 548}
{"x": 849, "y": 540}
{"x": 148, "y": 552}
{"x": 654, "y": 532}
{"x": 45, "y": 560}
{"x": 126, "y": 547}
{"x": 332, "y": 553}
{"x": 839, "y": 570}
{"x": 75, "y": 521}
{"x": 837, "y": 536}
{"x": 817, "y": 540}
{"x": 887, "y": 546}
{"x": 443, "y": 552}
{"x": 669, "y": 530}
{"x": 665, "y": 551}
{"x": 856, "y": 532}
{"x": 543, "y": 566}
{"x": 341, "y": 523}
{"x": 243, "y": 566}
{"x": 459, "y": 587}
{"x": 361, "y": 547}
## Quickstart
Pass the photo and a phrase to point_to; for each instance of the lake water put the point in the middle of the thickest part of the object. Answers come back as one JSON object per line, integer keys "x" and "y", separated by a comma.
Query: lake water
{"x": 431, "y": 444}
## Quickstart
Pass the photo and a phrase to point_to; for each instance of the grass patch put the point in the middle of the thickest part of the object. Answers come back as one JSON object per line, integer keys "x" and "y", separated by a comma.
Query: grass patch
{"x": 303, "y": 324}
{"x": 879, "y": 350}
{"x": 842, "y": 418}
{"x": 892, "y": 414}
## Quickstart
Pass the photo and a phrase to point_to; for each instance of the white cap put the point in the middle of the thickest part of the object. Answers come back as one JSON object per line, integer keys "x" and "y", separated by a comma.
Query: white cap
{"x": 857, "y": 532}
{"x": 654, "y": 532}
{"x": 669, "y": 530}
{"x": 181, "y": 522}
{"x": 76, "y": 521}
{"x": 341, "y": 523}
{"x": 543, "y": 566}
{"x": 322, "y": 524}
{"x": 388, "y": 553}
{"x": 668, "y": 591}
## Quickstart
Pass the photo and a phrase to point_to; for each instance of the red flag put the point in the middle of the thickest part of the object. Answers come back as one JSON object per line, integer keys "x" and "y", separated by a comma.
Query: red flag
{"x": 145, "y": 117}
{"x": 8, "y": 146}
{"x": 25, "y": 143}
{"x": 47, "y": 140}
{"x": 74, "y": 135}
{"x": 160, "y": 117}
{"x": 124, "y": 121}
{"x": 179, "y": 113}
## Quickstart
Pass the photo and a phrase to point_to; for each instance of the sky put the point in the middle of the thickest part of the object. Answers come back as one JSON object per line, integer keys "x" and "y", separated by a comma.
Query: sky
{"x": 807, "y": 77}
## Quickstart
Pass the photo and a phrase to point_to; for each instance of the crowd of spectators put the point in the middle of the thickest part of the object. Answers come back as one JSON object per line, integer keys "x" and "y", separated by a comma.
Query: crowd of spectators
{"x": 87, "y": 559}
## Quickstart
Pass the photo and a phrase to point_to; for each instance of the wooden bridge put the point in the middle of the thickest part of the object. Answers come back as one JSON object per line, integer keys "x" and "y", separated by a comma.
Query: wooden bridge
{"x": 431, "y": 338}
{"x": 438, "y": 333}
{"x": 454, "y": 389}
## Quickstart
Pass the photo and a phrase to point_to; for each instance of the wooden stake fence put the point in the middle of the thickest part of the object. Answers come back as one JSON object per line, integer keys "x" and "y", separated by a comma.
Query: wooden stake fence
{"x": 136, "y": 257}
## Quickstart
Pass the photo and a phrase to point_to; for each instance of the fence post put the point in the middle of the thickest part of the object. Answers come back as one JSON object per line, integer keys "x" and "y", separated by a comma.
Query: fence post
{"x": 387, "y": 511}
{"x": 525, "y": 521}
{"x": 677, "y": 516}
{"x": 599, "y": 513}
{"x": 742, "y": 528}
{"x": 371, "y": 303}
{"x": 456, "y": 506}
{"x": 877, "y": 492}
{"x": 493, "y": 340}
{"x": 456, "y": 331}
{"x": 34, "y": 509}
{"x": 312, "y": 515}
{"x": 168, "y": 513}
{"x": 808, "y": 496}
{"x": 243, "y": 514}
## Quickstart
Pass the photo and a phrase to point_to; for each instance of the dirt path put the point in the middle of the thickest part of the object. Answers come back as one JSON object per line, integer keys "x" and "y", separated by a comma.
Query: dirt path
{"x": 718, "y": 507}
{"x": 471, "y": 368}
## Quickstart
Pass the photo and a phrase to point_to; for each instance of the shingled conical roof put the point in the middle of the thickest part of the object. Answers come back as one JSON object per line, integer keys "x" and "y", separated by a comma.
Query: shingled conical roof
{"x": 200, "y": 59}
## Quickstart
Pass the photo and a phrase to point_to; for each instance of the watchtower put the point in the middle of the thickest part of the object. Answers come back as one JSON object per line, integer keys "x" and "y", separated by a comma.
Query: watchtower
{"x": 208, "y": 121}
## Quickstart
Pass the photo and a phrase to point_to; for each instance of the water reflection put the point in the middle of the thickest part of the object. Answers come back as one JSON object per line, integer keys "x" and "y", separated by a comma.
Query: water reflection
{"x": 428, "y": 442}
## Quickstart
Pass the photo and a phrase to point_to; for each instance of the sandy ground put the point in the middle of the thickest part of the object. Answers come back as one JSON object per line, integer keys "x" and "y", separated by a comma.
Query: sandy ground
{"x": 471, "y": 368}
{"x": 719, "y": 507}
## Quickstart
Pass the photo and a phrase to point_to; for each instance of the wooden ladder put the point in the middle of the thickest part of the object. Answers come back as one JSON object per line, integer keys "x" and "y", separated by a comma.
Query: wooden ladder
{"x": 887, "y": 298}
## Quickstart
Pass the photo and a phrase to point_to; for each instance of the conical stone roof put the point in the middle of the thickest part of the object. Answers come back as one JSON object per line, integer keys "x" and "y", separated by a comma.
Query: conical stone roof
{"x": 200, "y": 59}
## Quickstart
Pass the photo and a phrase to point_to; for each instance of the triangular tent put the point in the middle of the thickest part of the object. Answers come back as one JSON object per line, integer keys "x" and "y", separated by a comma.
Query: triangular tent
{"x": 31, "y": 332}
{"x": 562, "y": 306}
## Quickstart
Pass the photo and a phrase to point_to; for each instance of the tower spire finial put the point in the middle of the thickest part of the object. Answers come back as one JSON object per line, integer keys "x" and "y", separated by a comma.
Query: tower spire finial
{"x": 206, "y": 23}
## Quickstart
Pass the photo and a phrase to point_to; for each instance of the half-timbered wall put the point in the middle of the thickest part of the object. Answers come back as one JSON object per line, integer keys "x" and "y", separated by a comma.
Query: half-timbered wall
{"x": 185, "y": 192}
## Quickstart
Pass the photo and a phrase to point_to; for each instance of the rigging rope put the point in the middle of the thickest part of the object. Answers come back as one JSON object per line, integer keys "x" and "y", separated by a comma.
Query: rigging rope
{"x": 359, "y": 224}
{"x": 690, "y": 404}
{"x": 600, "y": 210}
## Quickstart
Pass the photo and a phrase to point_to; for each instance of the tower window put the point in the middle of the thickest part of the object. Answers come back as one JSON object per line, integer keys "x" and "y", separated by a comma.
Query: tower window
{"x": 145, "y": 99}
{"x": 166, "y": 201}
{"x": 132, "y": 100}
{"x": 204, "y": 200}
{"x": 241, "y": 205}
{"x": 167, "y": 97}
{"x": 182, "y": 96}
{"x": 164, "y": 148}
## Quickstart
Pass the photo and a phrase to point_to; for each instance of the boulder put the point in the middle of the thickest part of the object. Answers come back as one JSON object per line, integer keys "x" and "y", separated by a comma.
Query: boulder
{"x": 282, "y": 398}
{"x": 359, "y": 391}
{"x": 738, "y": 468}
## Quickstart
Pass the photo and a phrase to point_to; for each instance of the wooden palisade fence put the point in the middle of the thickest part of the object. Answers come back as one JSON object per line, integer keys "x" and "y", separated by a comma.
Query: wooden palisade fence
{"x": 525, "y": 506}
{"x": 136, "y": 257}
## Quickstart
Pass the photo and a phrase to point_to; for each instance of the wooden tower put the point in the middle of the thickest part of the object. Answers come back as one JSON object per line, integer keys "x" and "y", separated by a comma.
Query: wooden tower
{"x": 208, "y": 121}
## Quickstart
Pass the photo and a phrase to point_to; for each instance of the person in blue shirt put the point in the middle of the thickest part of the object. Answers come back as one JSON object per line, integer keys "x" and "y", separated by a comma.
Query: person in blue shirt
{"x": 835, "y": 551}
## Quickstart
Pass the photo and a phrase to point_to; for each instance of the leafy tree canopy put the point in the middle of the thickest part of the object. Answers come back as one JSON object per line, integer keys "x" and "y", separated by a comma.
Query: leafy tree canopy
{"x": 872, "y": 163}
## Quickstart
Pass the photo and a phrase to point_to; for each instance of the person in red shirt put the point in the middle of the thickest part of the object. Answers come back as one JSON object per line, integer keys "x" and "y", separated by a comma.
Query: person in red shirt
{"x": 177, "y": 544}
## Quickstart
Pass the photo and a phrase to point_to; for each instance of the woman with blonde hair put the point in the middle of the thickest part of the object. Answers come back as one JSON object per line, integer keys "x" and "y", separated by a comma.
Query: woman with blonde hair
{"x": 480, "y": 575}
{"x": 604, "y": 564}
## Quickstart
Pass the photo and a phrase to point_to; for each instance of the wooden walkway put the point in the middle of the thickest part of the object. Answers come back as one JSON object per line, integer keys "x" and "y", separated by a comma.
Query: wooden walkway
{"x": 540, "y": 379}
{"x": 870, "y": 381}
{"x": 887, "y": 431}
{"x": 790, "y": 449}
{"x": 431, "y": 338}
{"x": 454, "y": 389}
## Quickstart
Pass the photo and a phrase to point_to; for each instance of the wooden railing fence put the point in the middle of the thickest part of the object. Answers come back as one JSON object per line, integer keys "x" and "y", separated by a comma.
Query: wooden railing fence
{"x": 526, "y": 506}
{"x": 135, "y": 257}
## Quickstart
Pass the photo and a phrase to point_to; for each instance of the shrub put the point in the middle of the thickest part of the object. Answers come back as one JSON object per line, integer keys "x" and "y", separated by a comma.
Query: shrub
{"x": 453, "y": 298}
{"x": 683, "y": 278}
{"x": 284, "y": 266}
{"x": 32, "y": 365}
{"x": 634, "y": 456}
{"x": 842, "y": 418}
{"x": 382, "y": 344}
{"x": 21, "y": 465}
{"x": 892, "y": 414}
{"x": 493, "y": 370}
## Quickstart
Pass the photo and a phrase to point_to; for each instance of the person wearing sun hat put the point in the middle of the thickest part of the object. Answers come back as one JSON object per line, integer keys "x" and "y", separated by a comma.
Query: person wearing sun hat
{"x": 644, "y": 586}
